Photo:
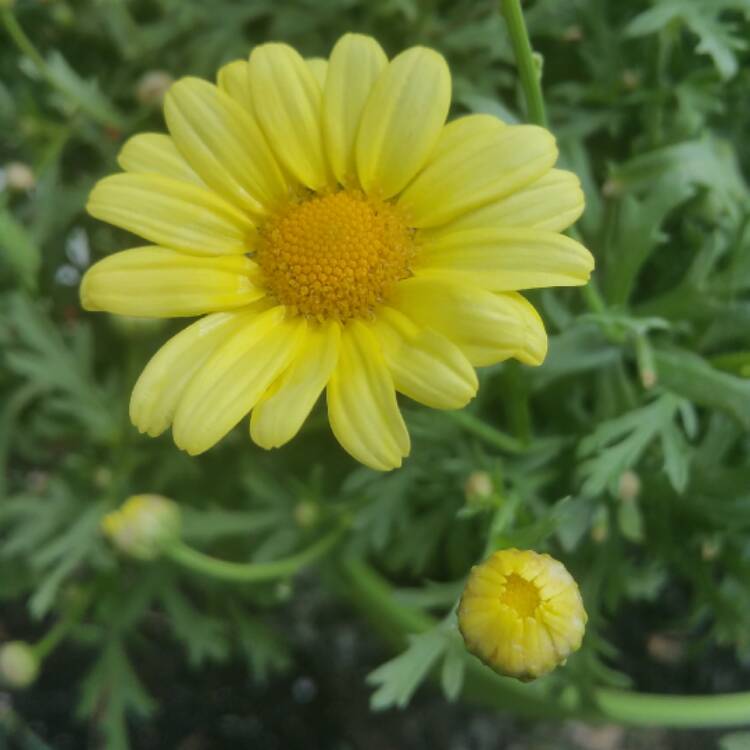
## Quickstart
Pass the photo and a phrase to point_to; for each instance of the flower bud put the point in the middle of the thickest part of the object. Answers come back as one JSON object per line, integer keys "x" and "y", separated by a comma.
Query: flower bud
{"x": 600, "y": 525}
{"x": 306, "y": 513}
{"x": 152, "y": 86}
{"x": 143, "y": 526}
{"x": 665, "y": 648}
{"x": 478, "y": 487}
{"x": 629, "y": 486}
{"x": 630, "y": 79}
{"x": 18, "y": 176}
{"x": 19, "y": 665}
{"x": 521, "y": 613}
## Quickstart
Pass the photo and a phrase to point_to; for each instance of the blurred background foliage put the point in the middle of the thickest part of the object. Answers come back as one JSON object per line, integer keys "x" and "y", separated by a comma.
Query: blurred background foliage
{"x": 626, "y": 455}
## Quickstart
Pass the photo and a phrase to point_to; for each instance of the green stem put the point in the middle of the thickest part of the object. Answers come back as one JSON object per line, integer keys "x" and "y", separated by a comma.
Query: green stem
{"x": 593, "y": 297}
{"x": 375, "y": 598}
{"x": 681, "y": 711}
{"x": 198, "y": 562}
{"x": 491, "y": 435}
{"x": 49, "y": 642}
{"x": 528, "y": 69}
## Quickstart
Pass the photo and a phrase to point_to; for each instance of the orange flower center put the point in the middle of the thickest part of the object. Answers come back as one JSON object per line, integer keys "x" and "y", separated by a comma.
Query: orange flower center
{"x": 520, "y": 595}
{"x": 335, "y": 256}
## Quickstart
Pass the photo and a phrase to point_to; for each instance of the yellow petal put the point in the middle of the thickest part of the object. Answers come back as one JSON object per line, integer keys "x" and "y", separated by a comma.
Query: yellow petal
{"x": 507, "y": 259}
{"x": 234, "y": 79}
{"x": 318, "y": 67}
{"x": 487, "y": 327}
{"x": 552, "y": 203}
{"x": 425, "y": 365}
{"x": 233, "y": 379}
{"x": 155, "y": 153}
{"x": 172, "y": 213}
{"x": 280, "y": 413}
{"x": 163, "y": 381}
{"x": 479, "y": 165}
{"x": 155, "y": 282}
{"x": 362, "y": 407}
{"x": 287, "y": 100}
{"x": 224, "y": 145}
{"x": 402, "y": 120}
{"x": 355, "y": 64}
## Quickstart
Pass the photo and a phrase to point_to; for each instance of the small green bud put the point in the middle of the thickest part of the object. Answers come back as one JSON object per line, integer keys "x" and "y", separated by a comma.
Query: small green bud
{"x": 600, "y": 525}
{"x": 306, "y": 513}
{"x": 143, "y": 526}
{"x": 19, "y": 665}
{"x": 478, "y": 487}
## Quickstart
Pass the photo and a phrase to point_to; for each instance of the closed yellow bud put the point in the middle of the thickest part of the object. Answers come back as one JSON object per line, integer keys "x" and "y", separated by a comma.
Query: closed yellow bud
{"x": 521, "y": 613}
{"x": 143, "y": 526}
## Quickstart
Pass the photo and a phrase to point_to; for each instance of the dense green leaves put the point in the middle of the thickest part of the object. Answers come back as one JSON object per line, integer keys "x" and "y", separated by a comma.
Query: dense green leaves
{"x": 625, "y": 455}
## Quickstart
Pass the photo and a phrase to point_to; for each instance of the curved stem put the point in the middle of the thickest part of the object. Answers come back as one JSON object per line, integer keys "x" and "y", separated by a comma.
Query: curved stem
{"x": 682, "y": 711}
{"x": 376, "y": 599}
{"x": 528, "y": 69}
{"x": 198, "y": 562}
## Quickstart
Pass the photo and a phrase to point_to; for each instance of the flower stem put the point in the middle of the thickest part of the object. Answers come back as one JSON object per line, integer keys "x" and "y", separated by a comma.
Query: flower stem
{"x": 528, "y": 68}
{"x": 375, "y": 598}
{"x": 49, "y": 642}
{"x": 491, "y": 435}
{"x": 199, "y": 562}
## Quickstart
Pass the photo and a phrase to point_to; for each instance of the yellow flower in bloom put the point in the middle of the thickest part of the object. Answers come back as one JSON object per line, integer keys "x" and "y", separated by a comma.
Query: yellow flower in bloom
{"x": 336, "y": 235}
{"x": 521, "y": 613}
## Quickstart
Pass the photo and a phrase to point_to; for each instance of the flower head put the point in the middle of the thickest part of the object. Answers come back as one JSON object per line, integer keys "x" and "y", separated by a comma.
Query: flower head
{"x": 521, "y": 613}
{"x": 335, "y": 234}
{"x": 19, "y": 664}
{"x": 143, "y": 526}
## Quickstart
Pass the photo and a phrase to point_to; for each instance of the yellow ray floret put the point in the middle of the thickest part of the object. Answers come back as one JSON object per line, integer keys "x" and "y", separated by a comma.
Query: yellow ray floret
{"x": 336, "y": 235}
{"x": 521, "y": 613}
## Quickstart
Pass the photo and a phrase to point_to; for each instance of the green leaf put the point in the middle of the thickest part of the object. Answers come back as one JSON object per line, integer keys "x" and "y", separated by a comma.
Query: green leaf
{"x": 18, "y": 251}
{"x": 574, "y": 522}
{"x": 709, "y": 162}
{"x": 398, "y": 679}
{"x": 264, "y": 649}
{"x": 630, "y": 520}
{"x": 717, "y": 38}
{"x": 618, "y": 444}
{"x": 638, "y": 233}
{"x": 203, "y": 636}
{"x": 110, "y": 693}
{"x": 689, "y": 375}
{"x": 454, "y": 666}
{"x": 84, "y": 94}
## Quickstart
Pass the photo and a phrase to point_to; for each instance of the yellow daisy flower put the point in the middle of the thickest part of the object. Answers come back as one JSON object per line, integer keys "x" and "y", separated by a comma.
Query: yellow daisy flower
{"x": 521, "y": 613}
{"x": 335, "y": 234}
